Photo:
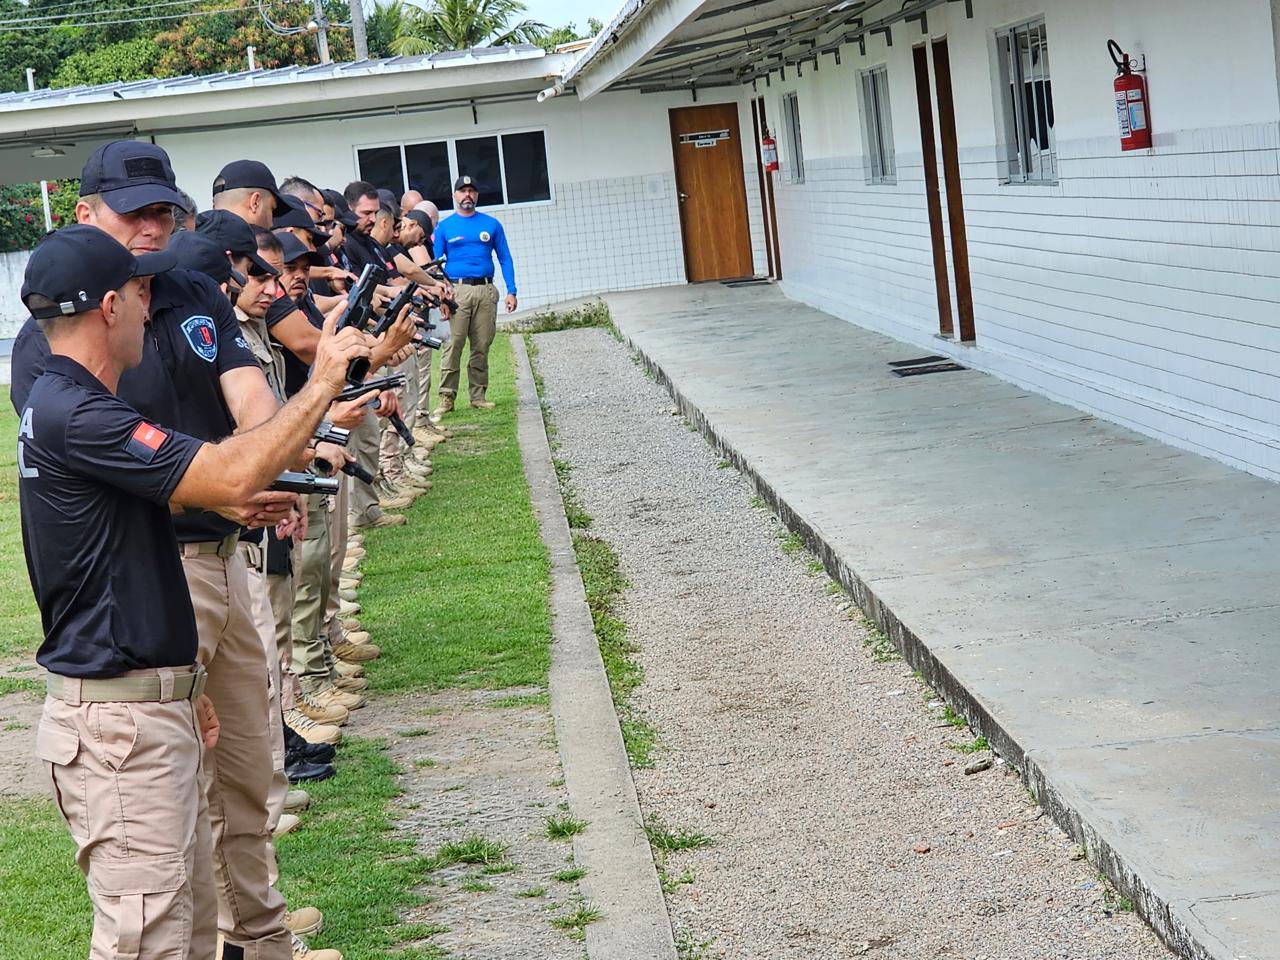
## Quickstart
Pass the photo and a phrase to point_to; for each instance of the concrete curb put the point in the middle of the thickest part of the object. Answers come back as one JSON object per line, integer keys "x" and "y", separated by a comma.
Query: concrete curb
{"x": 1166, "y": 918}
{"x": 621, "y": 879}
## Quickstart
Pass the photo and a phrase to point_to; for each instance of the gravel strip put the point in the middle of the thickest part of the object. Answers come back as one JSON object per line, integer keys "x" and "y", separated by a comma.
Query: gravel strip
{"x": 844, "y": 823}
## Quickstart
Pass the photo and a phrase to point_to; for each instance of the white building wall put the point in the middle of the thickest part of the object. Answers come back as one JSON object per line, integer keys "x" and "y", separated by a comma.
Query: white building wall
{"x": 1143, "y": 288}
{"x": 612, "y": 223}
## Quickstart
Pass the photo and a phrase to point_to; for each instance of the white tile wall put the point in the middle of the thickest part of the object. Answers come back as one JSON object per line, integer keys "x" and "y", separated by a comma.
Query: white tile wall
{"x": 598, "y": 235}
{"x": 12, "y": 313}
{"x": 1145, "y": 289}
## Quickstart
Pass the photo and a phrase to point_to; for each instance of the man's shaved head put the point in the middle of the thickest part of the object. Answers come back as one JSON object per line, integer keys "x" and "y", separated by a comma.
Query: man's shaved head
{"x": 431, "y": 210}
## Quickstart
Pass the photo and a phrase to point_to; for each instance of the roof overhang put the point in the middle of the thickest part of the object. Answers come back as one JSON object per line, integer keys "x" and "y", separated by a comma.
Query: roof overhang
{"x": 673, "y": 45}
{"x": 75, "y": 122}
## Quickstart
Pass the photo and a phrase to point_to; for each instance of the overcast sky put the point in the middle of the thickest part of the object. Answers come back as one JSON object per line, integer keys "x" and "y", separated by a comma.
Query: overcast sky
{"x": 556, "y": 13}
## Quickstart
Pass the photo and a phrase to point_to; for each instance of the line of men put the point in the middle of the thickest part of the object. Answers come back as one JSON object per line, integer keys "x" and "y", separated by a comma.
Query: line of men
{"x": 200, "y": 634}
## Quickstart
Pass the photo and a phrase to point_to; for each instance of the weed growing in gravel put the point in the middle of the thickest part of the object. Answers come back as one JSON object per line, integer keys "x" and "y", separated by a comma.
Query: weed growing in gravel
{"x": 881, "y": 647}
{"x": 815, "y": 567}
{"x": 575, "y": 923}
{"x": 723, "y": 465}
{"x": 424, "y": 762}
{"x": 578, "y": 518}
{"x": 671, "y": 884}
{"x": 532, "y": 892}
{"x": 791, "y": 542}
{"x": 953, "y": 718}
{"x": 476, "y": 886}
{"x": 690, "y": 948}
{"x": 16, "y": 684}
{"x": 758, "y": 502}
{"x": 836, "y": 589}
{"x": 562, "y": 828}
{"x": 542, "y": 699}
{"x": 595, "y": 314}
{"x": 495, "y": 869}
{"x": 474, "y": 849}
{"x": 415, "y": 732}
{"x": 669, "y": 840}
{"x": 1112, "y": 901}
{"x": 975, "y": 746}
{"x": 572, "y": 875}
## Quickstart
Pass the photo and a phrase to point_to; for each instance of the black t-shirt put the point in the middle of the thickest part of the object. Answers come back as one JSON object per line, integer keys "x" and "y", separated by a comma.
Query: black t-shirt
{"x": 193, "y": 338}
{"x": 94, "y": 480}
{"x": 295, "y": 370}
{"x": 361, "y": 249}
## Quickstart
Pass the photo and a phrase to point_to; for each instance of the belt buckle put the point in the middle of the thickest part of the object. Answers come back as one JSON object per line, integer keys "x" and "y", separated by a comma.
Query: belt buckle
{"x": 200, "y": 682}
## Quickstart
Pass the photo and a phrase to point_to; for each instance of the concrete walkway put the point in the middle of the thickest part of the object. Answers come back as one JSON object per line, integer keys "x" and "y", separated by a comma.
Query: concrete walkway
{"x": 1101, "y": 606}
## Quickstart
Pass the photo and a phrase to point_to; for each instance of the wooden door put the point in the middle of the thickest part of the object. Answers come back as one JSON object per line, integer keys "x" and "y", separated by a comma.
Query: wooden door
{"x": 712, "y": 192}
{"x": 933, "y": 200}
{"x": 955, "y": 189}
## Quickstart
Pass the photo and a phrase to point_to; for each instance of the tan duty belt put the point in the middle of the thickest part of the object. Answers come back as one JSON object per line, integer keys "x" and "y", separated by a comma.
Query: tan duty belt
{"x": 146, "y": 689}
{"x": 226, "y": 547}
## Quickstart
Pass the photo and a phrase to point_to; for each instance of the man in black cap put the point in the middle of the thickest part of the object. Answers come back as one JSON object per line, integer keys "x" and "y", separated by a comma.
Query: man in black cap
{"x": 363, "y": 200}
{"x": 198, "y": 376}
{"x": 248, "y": 189}
{"x": 97, "y": 482}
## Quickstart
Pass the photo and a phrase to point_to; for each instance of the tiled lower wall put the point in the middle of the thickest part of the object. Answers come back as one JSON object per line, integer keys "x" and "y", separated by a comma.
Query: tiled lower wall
{"x": 598, "y": 235}
{"x": 1145, "y": 289}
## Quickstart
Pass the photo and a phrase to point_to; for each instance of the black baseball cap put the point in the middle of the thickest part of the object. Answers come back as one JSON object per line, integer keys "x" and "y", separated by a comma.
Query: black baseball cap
{"x": 422, "y": 219}
{"x": 388, "y": 199}
{"x": 249, "y": 174}
{"x": 465, "y": 182}
{"x": 297, "y": 216}
{"x": 77, "y": 266}
{"x": 130, "y": 175}
{"x": 235, "y": 236}
{"x": 293, "y": 249}
{"x": 342, "y": 211}
{"x": 201, "y": 253}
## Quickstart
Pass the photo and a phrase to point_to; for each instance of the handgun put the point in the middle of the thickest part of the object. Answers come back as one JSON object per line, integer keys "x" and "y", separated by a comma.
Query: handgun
{"x": 359, "y": 312}
{"x": 328, "y": 433}
{"x": 292, "y": 481}
{"x": 351, "y": 469}
{"x": 402, "y": 300}
{"x": 357, "y": 390}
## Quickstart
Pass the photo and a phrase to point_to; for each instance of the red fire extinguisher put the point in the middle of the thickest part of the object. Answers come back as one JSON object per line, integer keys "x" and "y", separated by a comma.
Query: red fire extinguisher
{"x": 769, "y": 152}
{"x": 1133, "y": 112}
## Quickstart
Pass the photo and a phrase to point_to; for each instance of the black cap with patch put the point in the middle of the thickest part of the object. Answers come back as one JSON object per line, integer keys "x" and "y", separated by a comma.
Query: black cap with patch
{"x": 234, "y": 236}
{"x": 249, "y": 175}
{"x": 293, "y": 249}
{"x": 297, "y": 216}
{"x": 130, "y": 175}
{"x": 422, "y": 219}
{"x": 203, "y": 254}
{"x": 77, "y": 266}
{"x": 465, "y": 182}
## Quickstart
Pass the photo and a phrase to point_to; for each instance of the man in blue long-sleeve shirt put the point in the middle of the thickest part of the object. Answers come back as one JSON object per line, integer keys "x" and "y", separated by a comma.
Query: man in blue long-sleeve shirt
{"x": 468, "y": 240}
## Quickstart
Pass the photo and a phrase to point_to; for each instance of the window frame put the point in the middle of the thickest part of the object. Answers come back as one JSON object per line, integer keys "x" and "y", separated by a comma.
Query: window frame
{"x": 451, "y": 143}
{"x": 879, "y": 153}
{"x": 795, "y": 138}
{"x": 1020, "y": 165}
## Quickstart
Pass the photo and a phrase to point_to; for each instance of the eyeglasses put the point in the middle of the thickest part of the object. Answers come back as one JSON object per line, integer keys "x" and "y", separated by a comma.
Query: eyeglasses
{"x": 313, "y": 208}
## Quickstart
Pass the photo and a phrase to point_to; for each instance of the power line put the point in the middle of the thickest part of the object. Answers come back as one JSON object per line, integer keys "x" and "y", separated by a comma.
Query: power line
{"x": 27, "y": 26}
{"x": 109, "y": 12}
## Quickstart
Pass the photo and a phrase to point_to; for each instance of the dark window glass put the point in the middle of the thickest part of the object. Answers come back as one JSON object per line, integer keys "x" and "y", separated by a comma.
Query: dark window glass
{"x": 524, "y": 157}
{"x": 478, "y": 158}
{"x": 381, "y": 167}
{"x": 428, "y": 167}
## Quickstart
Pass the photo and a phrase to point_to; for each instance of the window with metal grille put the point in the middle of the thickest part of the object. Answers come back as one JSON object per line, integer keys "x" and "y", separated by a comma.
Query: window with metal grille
{"x": 509, "y": 168}
{"x": 795, "y": 147}
{"x": 1027, "y": 94}
{"x": 877, "y": 126}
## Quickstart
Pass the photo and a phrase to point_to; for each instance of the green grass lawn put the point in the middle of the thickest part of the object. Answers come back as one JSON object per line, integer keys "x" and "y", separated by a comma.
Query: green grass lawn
{"x": 456, "y": 598}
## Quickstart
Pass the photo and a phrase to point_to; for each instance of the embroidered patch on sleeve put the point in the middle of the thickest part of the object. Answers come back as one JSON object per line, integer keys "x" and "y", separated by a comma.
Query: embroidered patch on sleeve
{"x": 145, "y": 441}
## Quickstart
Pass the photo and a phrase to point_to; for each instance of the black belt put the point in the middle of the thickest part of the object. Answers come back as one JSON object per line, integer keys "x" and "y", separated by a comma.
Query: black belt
{"x": 474, "y": 281}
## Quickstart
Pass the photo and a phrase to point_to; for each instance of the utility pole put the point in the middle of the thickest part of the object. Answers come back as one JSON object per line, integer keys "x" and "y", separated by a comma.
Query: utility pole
{"x": 358, "y": 38}
{"x": 322, "y": 32}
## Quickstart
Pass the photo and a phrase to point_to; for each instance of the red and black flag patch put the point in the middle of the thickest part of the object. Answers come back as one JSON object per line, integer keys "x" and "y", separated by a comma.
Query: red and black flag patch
{"x": 145, "y": 441}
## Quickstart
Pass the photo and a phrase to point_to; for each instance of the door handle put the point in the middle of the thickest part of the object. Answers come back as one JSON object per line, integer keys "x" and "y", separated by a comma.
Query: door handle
{"x": 683, "y": 197}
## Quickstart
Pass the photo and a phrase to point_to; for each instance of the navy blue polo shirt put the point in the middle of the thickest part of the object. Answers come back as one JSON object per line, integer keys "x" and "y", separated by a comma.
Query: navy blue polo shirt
{"x": 94, "y": 481}
{"x": 192, "y": 338}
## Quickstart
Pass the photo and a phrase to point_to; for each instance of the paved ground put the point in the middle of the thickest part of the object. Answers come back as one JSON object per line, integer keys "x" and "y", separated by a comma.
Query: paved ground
{"x": 816, "y": 771}
{"x": 1102, "y": 605}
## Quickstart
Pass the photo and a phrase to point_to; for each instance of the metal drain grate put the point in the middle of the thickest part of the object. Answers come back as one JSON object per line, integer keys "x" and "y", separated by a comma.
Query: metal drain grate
{"x": 918, "y": 361}
{"x": 930, "y": 368}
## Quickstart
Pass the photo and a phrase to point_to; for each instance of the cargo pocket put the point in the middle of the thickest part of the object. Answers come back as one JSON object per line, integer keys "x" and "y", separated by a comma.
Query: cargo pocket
{"x": 149, "y": 900}
{"x": 58, "y": 747}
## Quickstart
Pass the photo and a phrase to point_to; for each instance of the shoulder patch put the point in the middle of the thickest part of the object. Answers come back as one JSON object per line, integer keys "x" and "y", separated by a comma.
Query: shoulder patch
{"x": 145, "y": 441}
{"x": 203, "y": 337}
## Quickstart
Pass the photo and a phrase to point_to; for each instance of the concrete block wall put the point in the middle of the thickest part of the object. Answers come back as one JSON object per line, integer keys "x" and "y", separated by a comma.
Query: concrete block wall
{"x": 12, "y": 313}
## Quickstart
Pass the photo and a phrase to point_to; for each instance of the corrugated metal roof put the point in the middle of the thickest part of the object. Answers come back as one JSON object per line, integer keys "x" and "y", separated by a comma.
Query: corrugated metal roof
{"x": 244, "y": 79}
